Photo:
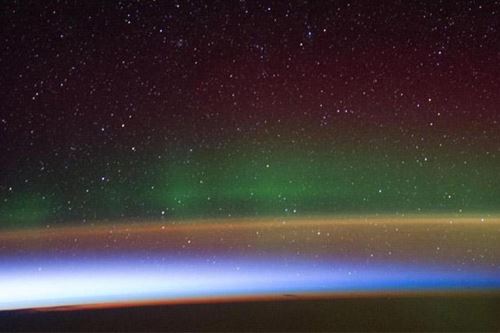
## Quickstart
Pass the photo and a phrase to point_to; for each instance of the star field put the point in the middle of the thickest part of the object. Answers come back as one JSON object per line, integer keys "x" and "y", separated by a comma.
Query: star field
{"x": 179, "y": 109}
{"x": 182, "y": 152}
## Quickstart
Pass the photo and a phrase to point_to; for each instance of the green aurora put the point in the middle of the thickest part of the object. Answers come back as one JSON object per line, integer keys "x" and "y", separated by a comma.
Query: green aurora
{"x": 278, "y": 179}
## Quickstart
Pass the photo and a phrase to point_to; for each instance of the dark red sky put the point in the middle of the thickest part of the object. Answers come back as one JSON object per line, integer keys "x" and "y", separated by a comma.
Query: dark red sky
{"x": 90, "y": 85}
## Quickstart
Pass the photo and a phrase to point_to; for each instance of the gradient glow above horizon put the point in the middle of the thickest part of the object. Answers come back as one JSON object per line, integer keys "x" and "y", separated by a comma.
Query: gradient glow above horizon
{"x": 140, "y": 262}
{"x": 190, "y": 112}
{"x": 108, "y": 281}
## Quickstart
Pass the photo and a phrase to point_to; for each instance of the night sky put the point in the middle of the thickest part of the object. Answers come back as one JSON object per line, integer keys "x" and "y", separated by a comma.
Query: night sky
{"x": 136, "y": 109}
